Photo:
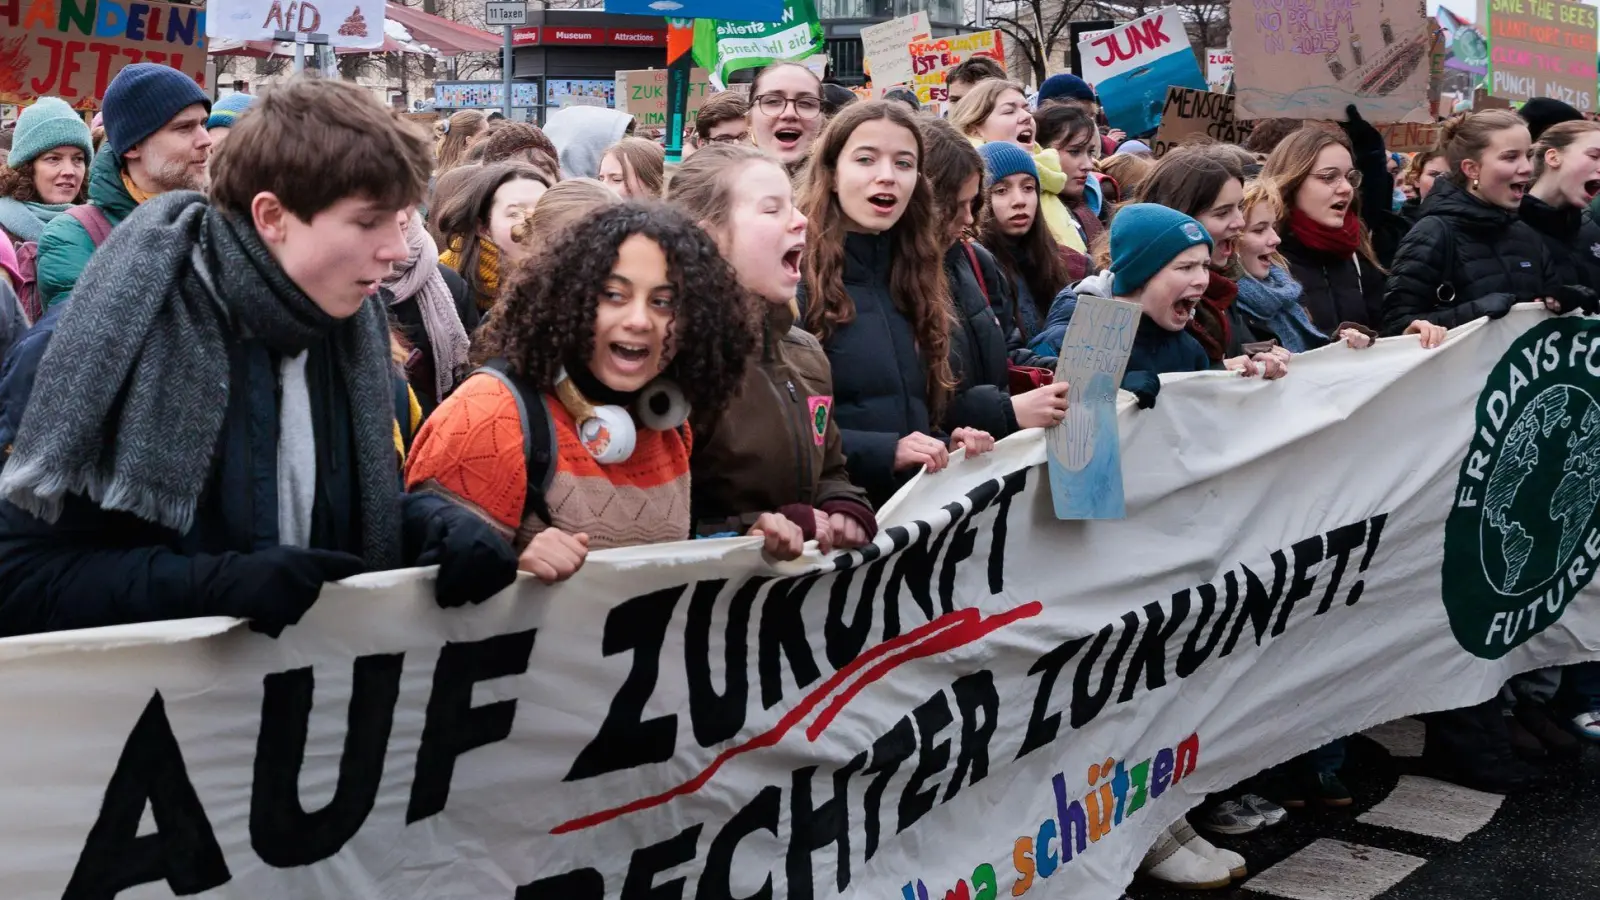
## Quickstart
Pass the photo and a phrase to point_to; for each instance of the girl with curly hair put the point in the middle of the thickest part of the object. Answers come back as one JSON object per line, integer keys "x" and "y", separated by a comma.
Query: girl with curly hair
{"x": 876, "y": 295}
{"x": 573, "y": 433}
{"x": 777, "y": 447}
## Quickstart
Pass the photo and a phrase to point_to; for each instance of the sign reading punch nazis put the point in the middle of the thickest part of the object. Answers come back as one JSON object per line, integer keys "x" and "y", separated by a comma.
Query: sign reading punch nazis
{"x": 1034, "y": 699}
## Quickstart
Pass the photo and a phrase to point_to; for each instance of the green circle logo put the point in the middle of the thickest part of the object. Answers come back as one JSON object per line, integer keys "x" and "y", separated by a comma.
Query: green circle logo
{"x": 1522, "y": 538}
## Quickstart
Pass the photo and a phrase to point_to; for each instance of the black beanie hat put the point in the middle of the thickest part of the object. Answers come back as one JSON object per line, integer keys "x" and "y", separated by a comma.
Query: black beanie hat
{"x": 1542, "y": 112}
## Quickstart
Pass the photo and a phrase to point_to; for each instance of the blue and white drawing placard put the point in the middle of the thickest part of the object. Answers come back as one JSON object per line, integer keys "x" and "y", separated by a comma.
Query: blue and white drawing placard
{"x": 1084, "y": 451}
{"x": 1131, "y": 67}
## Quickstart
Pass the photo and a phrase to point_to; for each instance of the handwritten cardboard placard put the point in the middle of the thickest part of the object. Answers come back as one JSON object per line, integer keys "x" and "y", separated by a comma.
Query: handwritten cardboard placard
{"x": 74, "y": 50}
{"x": 932, "y": 60}
{"x": 1409, "y": 137}
{"x": 1085, "y": 450}
{"x": 885, "y": 47}
{"x": 1309, "y": 59}
{"x": 642, "y": 93}
{"x": 1543, "y": 48}
{"x": 1131, "y": 67}
{"x": 1189, "y": 114}
{"x": 347, "y": 23}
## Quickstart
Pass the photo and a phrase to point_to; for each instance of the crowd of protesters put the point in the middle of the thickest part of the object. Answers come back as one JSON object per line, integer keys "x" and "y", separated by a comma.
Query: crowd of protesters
{"x": 238, "y": 369}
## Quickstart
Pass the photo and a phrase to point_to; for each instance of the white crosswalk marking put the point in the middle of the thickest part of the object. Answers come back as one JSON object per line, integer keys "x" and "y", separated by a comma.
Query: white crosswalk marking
{"x": 1335, "y": 870}
{"x": 1433, "y": 808}
{"x": 1402, "y": 737}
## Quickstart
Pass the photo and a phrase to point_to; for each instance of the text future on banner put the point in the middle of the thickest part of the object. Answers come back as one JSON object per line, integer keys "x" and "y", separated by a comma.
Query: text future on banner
{"x": 642, "y": 93}
{"x": 1084, "y": 453}
{"x": 724, "y": 47}
{"x": 932, "y": 60}
{"x": 1131, "y": 67}
{"x": 1190, "y": 114}
{"x": 1543, "y": 48}
{"x": 347, "y": 23}
{"x": 732, "y": 10}
{"x": 1035, "y": 698}
{"x": 73, "y": 50}
{"x": 884, "y": 48}
{"x": 1311, "y": 60}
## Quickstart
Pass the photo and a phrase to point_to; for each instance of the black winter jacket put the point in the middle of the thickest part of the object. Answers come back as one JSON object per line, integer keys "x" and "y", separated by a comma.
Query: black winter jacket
{"x": 879, "y": 379}
{"x": 977, "y": 348}
{"x": 407, "y": 316}
{"x": 1336, "y": 289}
{"x": 1463, "y": 260}
{"x": 94, "y": 568}
{"x": 1573, "y": 238}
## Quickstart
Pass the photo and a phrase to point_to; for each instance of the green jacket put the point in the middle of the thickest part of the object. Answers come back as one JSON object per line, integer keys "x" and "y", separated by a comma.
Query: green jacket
{"x": 65, "y": 247}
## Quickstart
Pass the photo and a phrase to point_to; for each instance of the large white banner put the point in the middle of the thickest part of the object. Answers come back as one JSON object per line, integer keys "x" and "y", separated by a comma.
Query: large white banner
{"x": 987, "y": 703}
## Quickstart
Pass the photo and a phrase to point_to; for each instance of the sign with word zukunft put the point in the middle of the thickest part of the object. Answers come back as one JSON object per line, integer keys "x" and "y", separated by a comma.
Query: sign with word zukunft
{"x": 1219, "y": 69}
{"x": 74, "y": 52}
{"x": 1037, "y": 699}
{"x": 1543, "y": 48}
{"x": 347, "y": 23}
{"x": 642, "y": 93}
{"x": 1131, "y": 67}
{"x": 1310, "y": 59}
{"x": 932, "y": 60}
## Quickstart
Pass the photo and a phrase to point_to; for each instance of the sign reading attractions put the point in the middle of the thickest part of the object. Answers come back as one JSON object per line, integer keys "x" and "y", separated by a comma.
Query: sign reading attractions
{"x": 1036, "y": 699}
{"x": 1543, "y": 48}
{"x": 73, "y": 50}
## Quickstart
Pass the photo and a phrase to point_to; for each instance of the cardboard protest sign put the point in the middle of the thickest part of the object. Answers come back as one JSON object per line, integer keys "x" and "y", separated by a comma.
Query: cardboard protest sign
{"x": 932, "y": 60}
{"x": 1085, "y": 451}
{"x": 642, "y": 93}
{"x": 1311, "y": 59}
{"x": 1219, "y": 69}
{"x": 74, "y": 50}
{"x": 1189, "y": 114}
{"x": 1481, "y": 99}
{"x": 884, "y": 48}
{"x": 347, "y": 23}
{"x": 1410, "y": 137}
{"x": 1132, "y": 65}
{"x": 1542, "y": 48}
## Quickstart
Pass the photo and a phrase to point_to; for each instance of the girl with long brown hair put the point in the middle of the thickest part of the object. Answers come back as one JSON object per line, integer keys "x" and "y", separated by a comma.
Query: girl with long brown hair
{"x": 876, "y": 295}
{"x": 455, "y": 136}
{"x": 635, "y": 168}
{"x": 477, "y": 224}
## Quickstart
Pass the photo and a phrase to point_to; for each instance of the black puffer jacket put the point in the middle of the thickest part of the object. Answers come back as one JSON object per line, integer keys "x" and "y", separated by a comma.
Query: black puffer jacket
{"x": 977, "y": 347}
{"x": 879, "y": 379}
{"x": 1336, "y": 289}
{"x": 1463, "y": 260}
{"x": 1573, "y": 238}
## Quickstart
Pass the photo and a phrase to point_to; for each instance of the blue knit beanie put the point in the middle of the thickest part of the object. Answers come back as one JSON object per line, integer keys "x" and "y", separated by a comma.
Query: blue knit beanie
{"x": 44, "y": 126}
{"x": 1144, "y": 238}
{"x": 1065, "y": 86}
{"x": 1002, "y": 159}
{"x": 142, "y": 98}
{"x": 228, "y": 109}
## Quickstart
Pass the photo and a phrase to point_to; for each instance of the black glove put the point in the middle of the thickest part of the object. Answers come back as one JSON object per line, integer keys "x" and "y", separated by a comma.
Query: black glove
{"x": 1364, "y": 139}
{"x": 1500, "y": 310}
{"x": 474, "y": 562}
{"x": 1575, "y": 296}
{"x": 273, "y": 588}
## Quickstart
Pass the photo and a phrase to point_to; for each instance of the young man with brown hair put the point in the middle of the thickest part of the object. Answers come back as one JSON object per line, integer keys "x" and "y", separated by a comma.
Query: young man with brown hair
{"x": 723, "y": 119}
{"x": 211, "y": 432}
{"x": 966, "y": 75}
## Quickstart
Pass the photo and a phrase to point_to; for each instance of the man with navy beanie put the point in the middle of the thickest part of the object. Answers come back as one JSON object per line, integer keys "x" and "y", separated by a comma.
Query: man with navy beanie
{"x": 155, "y": 118}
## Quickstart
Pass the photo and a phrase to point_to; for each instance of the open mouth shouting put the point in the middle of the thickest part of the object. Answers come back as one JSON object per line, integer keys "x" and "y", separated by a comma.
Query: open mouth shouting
{"x": 790, "y": 263}
{"x": 1590, "y": 189}
{"x": 1183, "y": 309}
{"x": 1518, "y": 190}
{"x": 628, "y": 358}
{"x": 1025, "y": 136}
{"x": 788, "y": 138}
{"x": 884, "y": 204}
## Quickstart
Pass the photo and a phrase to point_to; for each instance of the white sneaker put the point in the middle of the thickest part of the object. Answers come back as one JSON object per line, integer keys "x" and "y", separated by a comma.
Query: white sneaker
{"x": 1587, "y": 725}
{"x": 1271, "y": 812}
{"x": 1170, "y": 863}
{"x": 1191, "y": 840}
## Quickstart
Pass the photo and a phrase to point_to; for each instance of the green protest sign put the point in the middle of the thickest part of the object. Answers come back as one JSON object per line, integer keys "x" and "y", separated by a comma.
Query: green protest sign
{"x": 724, "y": 47}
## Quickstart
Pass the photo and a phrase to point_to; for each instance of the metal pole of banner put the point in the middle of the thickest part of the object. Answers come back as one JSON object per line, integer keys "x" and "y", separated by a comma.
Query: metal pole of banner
{"x": 505, "y": 73}
{"x": 290, "y": 37}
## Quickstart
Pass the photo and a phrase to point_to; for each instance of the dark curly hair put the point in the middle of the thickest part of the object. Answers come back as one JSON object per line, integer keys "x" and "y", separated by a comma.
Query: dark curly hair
{"x": 545, "y": 317}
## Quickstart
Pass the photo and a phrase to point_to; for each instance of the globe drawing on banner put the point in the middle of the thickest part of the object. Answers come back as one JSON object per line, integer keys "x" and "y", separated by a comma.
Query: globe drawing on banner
{"x": 1522, "y": 538}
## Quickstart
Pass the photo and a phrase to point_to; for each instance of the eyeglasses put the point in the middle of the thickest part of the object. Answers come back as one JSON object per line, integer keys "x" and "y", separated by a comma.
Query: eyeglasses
{"x": 1331, "y": 177}
{"x": 804, "y": 107}
{"x": 742, "y": 137}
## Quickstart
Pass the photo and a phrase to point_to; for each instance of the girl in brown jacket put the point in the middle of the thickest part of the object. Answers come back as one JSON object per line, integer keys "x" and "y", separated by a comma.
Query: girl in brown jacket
{"x": 776, "y": 446}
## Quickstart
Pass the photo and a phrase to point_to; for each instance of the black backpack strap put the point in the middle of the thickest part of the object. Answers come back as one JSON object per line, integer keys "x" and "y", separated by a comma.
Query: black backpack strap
{"x": 538, "y": 437}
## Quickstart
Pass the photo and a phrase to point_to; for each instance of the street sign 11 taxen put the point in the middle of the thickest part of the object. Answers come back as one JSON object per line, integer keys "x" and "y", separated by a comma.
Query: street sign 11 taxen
{"x": 497, "y": 14}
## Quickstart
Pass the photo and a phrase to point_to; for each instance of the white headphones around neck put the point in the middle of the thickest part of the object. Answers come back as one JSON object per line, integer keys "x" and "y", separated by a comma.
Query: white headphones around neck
{"x": 607, "y": 430}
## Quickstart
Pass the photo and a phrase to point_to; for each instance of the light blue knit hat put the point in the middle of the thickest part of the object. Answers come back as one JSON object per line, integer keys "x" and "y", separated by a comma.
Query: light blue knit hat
{"x": 44, "y": 126}
{"x": 225, "y": 111}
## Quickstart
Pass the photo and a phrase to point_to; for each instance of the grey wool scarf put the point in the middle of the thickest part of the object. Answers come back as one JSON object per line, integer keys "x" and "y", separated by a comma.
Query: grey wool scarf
{"x": 130, "y": 397}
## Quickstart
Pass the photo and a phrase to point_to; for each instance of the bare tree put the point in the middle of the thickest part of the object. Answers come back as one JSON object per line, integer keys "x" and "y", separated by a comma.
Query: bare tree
{"x": 1205, "y": 20}
{"x": 1037, "y": 28}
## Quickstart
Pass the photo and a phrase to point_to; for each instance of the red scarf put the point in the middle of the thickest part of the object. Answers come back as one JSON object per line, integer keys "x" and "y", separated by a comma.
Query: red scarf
{"x": 1210, "y": 322}
{"x": 1343, "y": 240}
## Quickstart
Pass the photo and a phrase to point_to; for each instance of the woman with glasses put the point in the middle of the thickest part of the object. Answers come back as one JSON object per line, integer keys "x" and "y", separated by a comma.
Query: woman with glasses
{"x": 786, "y": 112}
{"x": 1324, "y": 239}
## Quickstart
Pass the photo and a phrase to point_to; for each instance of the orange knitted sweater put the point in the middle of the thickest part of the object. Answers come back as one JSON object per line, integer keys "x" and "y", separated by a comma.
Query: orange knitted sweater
{"x": 470, "y": 451}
